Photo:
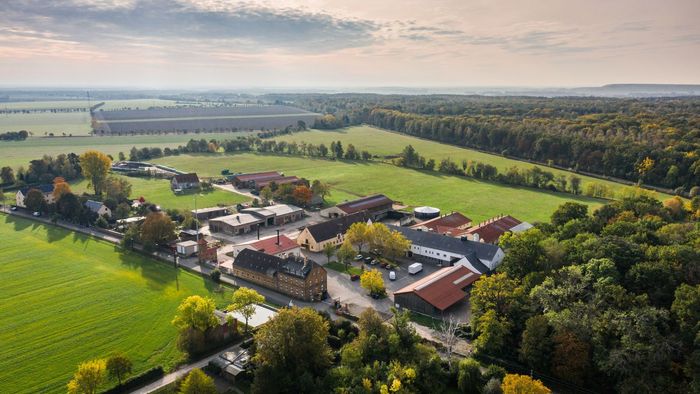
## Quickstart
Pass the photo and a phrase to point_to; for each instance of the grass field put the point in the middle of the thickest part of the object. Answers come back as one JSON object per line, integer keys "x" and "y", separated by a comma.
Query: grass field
{"x": 158, "y": 191}
{"x": 381, "y": 142}
{"x": 67, "y": 298}
{"x": 19, "y": 153}
{"x": 75, "y": 123}
{"x": 477, "y": 199}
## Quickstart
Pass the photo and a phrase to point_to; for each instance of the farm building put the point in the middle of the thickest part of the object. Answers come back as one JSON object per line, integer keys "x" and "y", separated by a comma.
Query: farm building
{"x": 436, "y": 292}
{"x": 442, "y": 250}
{"x": 425, "y": 213}
{"x": 185, "y": 181}
{"x": 279, "y": 181}
{"x": 446, "y": 224}
{"x": 46, "y": 190}
{"x": 294, "y": 276}
{"x": 247, "y": 181}
{"x": 210, "y": 213}
{"x": 277, "y": 245}
{"x": 277, "y": 214}
{"x": 377, "y": 207}
{"x": 98, "y": 207}
{"x": 490, "y": 231}
{"x": 187, "y": 248}
{"x": 237, "y": 224}
{"x": 316, "y": 236}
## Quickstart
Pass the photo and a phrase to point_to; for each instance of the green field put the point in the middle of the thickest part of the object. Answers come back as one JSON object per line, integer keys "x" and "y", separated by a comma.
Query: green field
{"x": 67, "y": 298}
{"x": 477, "y": 199}
{"x": 39, "y": 124}
{"x": 19, "y": 153}
{"x": 158, "y": 192}
{"x": 384, "y": 143}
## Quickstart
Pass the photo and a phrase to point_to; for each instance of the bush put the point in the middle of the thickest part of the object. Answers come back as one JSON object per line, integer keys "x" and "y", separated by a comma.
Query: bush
{"x": 215, "y": 275}
{"x": 494, "y": 371}
{"x": 493, "y": 386}
{"x": 137, "y": 381}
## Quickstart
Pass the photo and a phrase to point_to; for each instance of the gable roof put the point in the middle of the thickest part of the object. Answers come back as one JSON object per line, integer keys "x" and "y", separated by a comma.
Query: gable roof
{"x": 480, "y": 250}
{"x": 364, "y": 203}
{"x": 491, "y": 230}
{"x": 443, "y": 224}
{"x": 93, "y": 205}
{"x": 187, "y": 178}
{"x": 270, "y": 265}
{"x": 331, "y": 228}
{"x": 279, "y": 180}
{"x": 443, "y": 288}
{"x": 45, "y": 189}
{"x": 269, "y": 245}
{"x": 256, "y": 176}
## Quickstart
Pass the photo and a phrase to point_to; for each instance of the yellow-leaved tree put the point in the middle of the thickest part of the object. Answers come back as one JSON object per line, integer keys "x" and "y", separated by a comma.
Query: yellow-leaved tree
{"x": 88, "y": 378}
{"x": 95, "y": 166}
{"x": 373, "y": 282}
{"x": 523, "y": 384}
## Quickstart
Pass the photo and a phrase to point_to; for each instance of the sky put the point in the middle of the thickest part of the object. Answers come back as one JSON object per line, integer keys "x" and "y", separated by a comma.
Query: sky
{"x": 347, "y": 43}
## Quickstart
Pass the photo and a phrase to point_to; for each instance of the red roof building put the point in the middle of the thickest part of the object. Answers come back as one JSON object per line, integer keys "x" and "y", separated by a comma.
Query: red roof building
{"x": 438, "y": 291}
{"x": 274, "y": 246}
{"x": 450, "y": 224}
{"x": 491, "y": 230}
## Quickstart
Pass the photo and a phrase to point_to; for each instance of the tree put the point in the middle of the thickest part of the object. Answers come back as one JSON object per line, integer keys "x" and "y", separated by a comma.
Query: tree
{"x": 95, "y": 166}
{"x": 345, "y": 253}
{"x": 69, "y": 206}
{"x": 302, "y": 195}
{"x": 329, "y": 250}
{"x": 34, "y": 200}
{"x": 447, "y": 332}
{"x": 575, "y": 184}
{"x": 493, "y": 333}
{"x": 243, "y": 302}
{"x": 60, "y": 187}
{"x": 292, "y": 352}
{"x": 2, "y": 198}
{"x": 266, "y": 194}
{"x": 117, "y": 189}
{"x": 569, "y": 211}
{"x": 358, "y": 234}
{"x": 195, "y": 312}
{"x": 118, "y": 366}
{"x": 157, "y": 228}
{"x": 321, "y": 189}
{"x": 7, "y": 175}
{"x": 524, "y": 252}
{"x": 571, "y": 357}
{"x": 197, "y": 382}
{"x": 88, "y": 378}
{"x": 373, "y": 282}
{"x": 523, "y": 384}
{"x": 469, "y": 378}
{"x": 395, "y": 245}
{"x": 536, "y": 345}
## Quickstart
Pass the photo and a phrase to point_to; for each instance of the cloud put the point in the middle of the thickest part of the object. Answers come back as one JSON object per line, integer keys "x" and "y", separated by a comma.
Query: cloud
{"x": 241, "y": 26}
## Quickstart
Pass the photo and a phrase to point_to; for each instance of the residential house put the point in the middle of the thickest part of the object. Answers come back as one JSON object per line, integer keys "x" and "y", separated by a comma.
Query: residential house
{"x": 316, "y": 236}
{"x": 442, "y": 250}
{"x": 377, "y": 207}
{"x": 448, "y": 224}
{"x": 491, "y": 230}
{"x": 294, "y": 276}
{"x": 99, "y": 208}
{"x": 438, "y": 291}
{"x": 46, "y": 190}
{"x": 185, "y": 181}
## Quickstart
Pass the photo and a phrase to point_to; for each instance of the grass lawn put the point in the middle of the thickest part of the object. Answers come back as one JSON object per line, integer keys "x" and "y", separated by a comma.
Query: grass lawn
{"x": 67, "y": 298}
{"x": 336, "y": 266}
{"x": 382, "y": 143}
{"x": 477, "y": 199}
{"x": 19, "y": 153}
{"x": 158, "y": 191}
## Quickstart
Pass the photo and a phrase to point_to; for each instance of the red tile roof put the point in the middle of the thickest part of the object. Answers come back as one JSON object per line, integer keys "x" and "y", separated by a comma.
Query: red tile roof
{"x": 187, "y": 178}
{"x": 269, "y": 245}
{"x": 280, "y": 180}
{"x": 446, "y": 223}
{"x": 443, "y": 288}
{"x": 365, "y": 203}
{"x": 256, "y": 176}
{"x": 491, "y": 230}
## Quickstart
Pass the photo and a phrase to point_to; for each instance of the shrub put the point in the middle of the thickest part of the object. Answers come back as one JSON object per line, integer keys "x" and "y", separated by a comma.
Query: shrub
{"x": 215, "y": 275}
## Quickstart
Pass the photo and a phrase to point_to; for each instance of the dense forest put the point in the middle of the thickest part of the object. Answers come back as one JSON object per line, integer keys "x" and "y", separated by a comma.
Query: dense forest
{"x": 654, "y": 141}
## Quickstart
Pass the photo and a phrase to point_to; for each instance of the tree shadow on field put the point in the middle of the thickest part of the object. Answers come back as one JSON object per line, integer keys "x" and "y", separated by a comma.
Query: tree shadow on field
{"x": 158, "y": 274}
{"x": 55, "y": 233}
{"x": 19, "y": 224}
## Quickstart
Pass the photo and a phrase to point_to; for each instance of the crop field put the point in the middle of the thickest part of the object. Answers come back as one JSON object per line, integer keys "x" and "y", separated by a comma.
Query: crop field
{"x": 67, "y": 298}
{"x": 477, "y": 199}
{"x": 158, "y": 192}
{"x": 239, "y": 117}
{"x": 19, "y": 153}
{"x": 386, "y": 143}
{"x": 67, "y": 120}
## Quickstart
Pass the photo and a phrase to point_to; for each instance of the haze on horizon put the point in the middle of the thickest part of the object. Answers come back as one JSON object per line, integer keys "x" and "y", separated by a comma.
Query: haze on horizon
{"x": 288, "y": 43}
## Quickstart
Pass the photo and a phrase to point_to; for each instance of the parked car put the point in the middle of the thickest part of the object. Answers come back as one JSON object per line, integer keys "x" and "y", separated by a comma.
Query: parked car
{"x": 359, "y": 257}
{"x": 14, "y": 207}
{"x": 354, "y": 277}
{"x": 368, "y": 259}
{"x": 392, "y": 275}
{"x": 36, "y": 214}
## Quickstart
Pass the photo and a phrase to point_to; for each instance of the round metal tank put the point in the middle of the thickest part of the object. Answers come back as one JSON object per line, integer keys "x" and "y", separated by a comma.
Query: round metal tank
{"x": 426, "y": 212}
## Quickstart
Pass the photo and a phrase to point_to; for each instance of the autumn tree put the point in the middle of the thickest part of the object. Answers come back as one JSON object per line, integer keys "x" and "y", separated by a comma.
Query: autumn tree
{"x": 302, "y": 195}
{"x": 523, "y": 384}
{"x": 197, "y": 382}
{"x": 571, "y": 357}
{"x": 358, "y": 234}
{"x": 243, "y": 301}
{"x": 321, "y": 189}
{"x": 60, "y": 187}
{"x": 328, "y": 250}
{"x": 95, "y": 166}
{"x": 266, "y": 194}
{"x": 536, "y": 344}
{"x": 157, "y": 228}
{"x": 117, "y": 189}
{"x": 118, "y": 366}
{"x": 195, "y": 312}
{"x": 373, "y": 282}
{"x": 34, "y": 200}
{"x": 292, "y": 352}
{"x": 88, "y": 378}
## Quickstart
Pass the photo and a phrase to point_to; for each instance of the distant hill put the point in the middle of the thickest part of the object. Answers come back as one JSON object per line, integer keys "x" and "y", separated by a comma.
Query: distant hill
{"x": 640, "y": 90}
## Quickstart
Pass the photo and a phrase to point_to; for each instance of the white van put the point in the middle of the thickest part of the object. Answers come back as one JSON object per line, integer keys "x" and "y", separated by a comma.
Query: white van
{"x": 392, "y": 275}
{"x": 415, "y": 268}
